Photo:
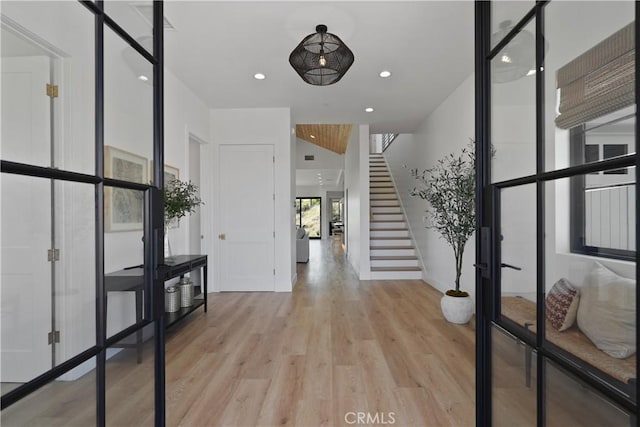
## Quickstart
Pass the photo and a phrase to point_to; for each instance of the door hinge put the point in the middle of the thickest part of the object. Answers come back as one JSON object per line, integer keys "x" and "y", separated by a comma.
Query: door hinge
{"x": 274, "y": 196}
{"x": 52, "y": 90}
{"x": 274, "y": 234}
{"x": 274, "y": 271}
{"x": 53, "y": 255}
{"x": 274, "y": 159}
{"x": 54, "y": 337}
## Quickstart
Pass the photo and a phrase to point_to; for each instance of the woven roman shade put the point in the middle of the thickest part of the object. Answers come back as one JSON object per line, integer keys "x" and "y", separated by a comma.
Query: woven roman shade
{"x": 598, "y": 82}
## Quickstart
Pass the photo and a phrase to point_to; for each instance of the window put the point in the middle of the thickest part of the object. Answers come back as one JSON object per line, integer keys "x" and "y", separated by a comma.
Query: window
{"x": 603, "y": 202}
{"x": 309, "y": 215}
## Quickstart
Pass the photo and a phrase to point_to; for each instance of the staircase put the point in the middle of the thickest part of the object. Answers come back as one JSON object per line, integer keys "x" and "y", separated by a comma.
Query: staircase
{"x": 392, "y": 253}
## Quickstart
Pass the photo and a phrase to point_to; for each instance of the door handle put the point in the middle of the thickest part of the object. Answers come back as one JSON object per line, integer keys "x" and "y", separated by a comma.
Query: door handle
{"x": 481, "y": 266}
{"x": 503, "y": 265}
{"x": 222, "y": 236}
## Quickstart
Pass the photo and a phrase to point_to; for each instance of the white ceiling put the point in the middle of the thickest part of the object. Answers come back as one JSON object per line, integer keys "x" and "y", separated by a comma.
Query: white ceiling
{"x": 218, "y": 46}
{"x": 319, "y": 177}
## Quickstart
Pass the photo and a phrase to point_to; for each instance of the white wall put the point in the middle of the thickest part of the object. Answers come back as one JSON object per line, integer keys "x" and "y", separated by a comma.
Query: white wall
{"x": 352, "y": 184}
{"x": 261, "y": 126}
{"x": 356, "y": 184}
{"x": 323, "y": 158}
{"x": 365, "y": 218}
{"x": 444, "y": 131}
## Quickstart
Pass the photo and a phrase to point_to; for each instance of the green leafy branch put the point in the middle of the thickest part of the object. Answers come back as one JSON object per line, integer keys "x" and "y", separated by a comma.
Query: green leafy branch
{"x": 180, "y": 198}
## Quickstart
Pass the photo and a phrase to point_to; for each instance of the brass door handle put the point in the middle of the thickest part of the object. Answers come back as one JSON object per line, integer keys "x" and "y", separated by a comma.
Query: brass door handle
{"x": 222, "y": 236}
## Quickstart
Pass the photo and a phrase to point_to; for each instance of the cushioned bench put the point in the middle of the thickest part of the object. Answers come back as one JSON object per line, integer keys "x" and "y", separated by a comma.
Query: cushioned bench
{"x": 523, "y": 312}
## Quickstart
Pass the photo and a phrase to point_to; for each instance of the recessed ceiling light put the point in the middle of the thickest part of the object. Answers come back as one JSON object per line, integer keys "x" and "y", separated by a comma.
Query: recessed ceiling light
{"x": 259, "y": 76}
{"x": 313, "y": 136}
{"x": 143, "y": 78}
{"x": 384, "y": 74}
{"x": 369, "y": 109}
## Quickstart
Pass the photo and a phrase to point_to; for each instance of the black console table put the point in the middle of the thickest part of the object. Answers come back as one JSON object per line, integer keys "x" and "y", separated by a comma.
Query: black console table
{"x": 132, "y": 280}
{"x": 178, "y": 266}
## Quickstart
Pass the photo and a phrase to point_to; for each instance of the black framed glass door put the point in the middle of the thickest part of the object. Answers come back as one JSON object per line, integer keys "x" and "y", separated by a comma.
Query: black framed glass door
{"x": 557, "y": 195}
{"x": 82, "y": 120}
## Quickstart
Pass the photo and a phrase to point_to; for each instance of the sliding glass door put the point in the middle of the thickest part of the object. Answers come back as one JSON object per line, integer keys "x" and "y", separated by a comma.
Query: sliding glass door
{"x": 81, "y": 124}
{"x": 557, "y": 196}
{"x": 309, "y": 215}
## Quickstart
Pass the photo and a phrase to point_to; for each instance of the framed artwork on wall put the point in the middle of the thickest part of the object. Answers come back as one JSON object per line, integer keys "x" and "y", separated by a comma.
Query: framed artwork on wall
{"x": 171, "y": 173}
{"x": 124, "y": 208}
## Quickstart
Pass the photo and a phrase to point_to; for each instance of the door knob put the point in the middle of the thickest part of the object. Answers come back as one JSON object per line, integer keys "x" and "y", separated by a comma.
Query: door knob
{"x": 222, "y": 236}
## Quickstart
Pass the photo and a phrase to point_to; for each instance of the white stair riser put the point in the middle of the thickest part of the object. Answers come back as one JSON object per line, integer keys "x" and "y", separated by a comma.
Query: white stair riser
{"x": 389, "y": 233}
{"x": 396, "y": 275}
{"x": 379, "y": 196}
{"x": 378, "y": 173}
{"x": 392, "y": 252}
{"x": 385, "y": 225}
{"x": 390, "y": 242}
{"x": 394, "y": 263}
{"x": 382, "y": 190}
{"x": 388, "y": 217}
{"x": 382, "y": 202}
{"x": 385, "y": 210}
{"x": 381, "y": 186}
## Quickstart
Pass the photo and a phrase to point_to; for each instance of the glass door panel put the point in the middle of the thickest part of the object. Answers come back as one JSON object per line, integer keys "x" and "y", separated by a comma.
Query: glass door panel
{"x": 513, "y": 110}
{"x": 514, "y": 381}
{"x": 517, "y": 256}
{"x": 571, "y": 402}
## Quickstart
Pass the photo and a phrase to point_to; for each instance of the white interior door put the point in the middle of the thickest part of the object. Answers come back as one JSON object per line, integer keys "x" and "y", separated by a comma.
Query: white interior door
{"x": 25, "y": 287}
{"x": 247, "y": 231}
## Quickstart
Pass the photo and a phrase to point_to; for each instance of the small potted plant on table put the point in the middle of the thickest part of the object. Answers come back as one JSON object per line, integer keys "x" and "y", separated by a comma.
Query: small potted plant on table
{"x": 180, "y": 198}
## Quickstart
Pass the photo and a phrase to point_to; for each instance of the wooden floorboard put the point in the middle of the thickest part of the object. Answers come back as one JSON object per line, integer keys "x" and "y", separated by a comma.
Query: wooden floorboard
{"x": 334, "y": 345}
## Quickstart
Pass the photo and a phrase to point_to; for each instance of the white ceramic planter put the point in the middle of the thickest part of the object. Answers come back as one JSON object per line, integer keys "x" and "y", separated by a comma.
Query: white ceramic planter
{"x": 457, "y": 309}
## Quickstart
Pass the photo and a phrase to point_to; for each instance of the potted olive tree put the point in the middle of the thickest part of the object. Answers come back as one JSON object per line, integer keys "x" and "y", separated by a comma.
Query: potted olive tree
{"x": 449, "y": 188}
{"x": 180, "y": 198}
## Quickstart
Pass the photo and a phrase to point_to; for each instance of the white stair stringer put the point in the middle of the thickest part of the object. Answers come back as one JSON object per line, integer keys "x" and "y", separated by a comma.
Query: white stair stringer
{"x": 393, "y": 255}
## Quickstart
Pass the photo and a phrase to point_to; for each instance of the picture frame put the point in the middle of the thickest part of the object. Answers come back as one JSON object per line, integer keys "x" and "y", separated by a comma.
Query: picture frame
{"x": 170, "y": 172}
{"x": 124, "y": 208}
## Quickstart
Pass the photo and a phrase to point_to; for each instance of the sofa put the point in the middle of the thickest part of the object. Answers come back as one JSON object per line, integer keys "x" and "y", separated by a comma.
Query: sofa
{"x": 302, "y": 245}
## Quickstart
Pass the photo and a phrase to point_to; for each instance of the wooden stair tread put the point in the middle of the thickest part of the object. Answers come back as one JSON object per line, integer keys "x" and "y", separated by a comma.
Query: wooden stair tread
{"x": 388, "y": 229}
{"x": 390, "y": 248}
{"x": 396, "y": 269}
{"x": 390, "y": 238}
{"x": 387, "y": 220}
{"x": 393, "y": 258}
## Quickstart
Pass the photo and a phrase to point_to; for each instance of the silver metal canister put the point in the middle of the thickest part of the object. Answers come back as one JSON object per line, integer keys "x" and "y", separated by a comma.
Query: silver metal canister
{"x": 186, "y": 291}
{"x": 172, "y": 299}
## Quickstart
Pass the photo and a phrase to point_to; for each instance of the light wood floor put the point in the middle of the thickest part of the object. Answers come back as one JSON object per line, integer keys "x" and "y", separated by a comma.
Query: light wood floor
{"x": 333, "y": 346}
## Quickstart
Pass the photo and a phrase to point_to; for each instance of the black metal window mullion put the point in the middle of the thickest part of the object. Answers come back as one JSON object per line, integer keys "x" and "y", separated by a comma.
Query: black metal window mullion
{"x": 101, "y": 302}
{"x": 637, "y": 192}
{"x": 540, "y": 214}
{"x": 483, "y": 215}
{"x": 154, "y": 255}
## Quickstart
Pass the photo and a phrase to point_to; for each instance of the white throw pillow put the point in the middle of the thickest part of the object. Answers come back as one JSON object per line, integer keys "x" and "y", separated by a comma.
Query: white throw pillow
{"x": 607, "y": 312}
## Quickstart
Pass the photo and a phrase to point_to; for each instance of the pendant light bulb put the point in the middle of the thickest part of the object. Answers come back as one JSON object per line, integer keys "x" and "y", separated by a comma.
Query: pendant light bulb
{"x": 322, "y": 60}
